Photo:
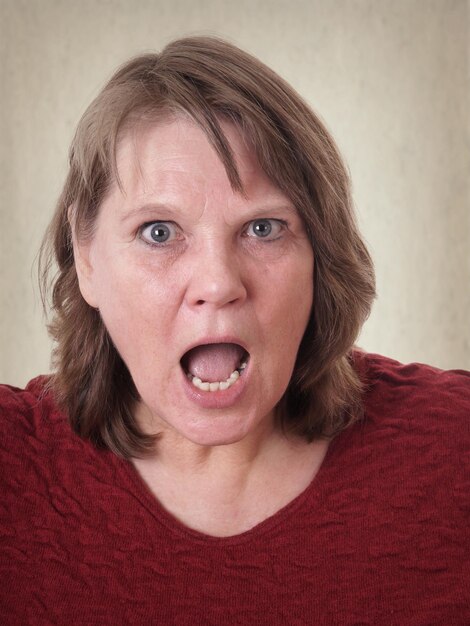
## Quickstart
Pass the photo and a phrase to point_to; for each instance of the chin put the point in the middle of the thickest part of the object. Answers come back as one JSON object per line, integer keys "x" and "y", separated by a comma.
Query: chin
{"x": 217, "y": 430}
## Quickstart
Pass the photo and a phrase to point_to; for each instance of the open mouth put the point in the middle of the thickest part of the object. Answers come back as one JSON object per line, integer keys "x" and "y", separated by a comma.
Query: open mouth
{"x": 215, "y": 366}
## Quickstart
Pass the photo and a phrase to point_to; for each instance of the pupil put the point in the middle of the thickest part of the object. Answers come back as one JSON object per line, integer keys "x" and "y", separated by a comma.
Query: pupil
{"x": 160, "y": 233}
{"x": 262, "y": 228}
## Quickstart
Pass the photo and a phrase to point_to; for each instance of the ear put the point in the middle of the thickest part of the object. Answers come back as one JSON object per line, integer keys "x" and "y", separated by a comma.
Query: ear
{"x": 83, "y": 262}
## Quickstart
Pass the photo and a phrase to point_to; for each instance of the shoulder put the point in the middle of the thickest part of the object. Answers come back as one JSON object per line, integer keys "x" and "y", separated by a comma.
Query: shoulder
{"x": 416, "y": 428}
{"x": 16, "y": 397}
{"x": 420, "y": 412}
{"x": 30, "y": 419}
{"x": 39, "y": 451}
{"x": 21, "y": 407}
{"x": 414, "y": 384}
{"x": 421, "y": 407}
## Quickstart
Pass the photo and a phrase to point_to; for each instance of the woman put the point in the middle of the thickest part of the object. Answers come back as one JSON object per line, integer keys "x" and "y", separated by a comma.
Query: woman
{"x": 210, "y": 449}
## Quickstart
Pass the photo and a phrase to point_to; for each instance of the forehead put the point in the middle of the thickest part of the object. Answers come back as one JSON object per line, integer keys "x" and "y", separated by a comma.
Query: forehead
{"x": 174, "y": 154}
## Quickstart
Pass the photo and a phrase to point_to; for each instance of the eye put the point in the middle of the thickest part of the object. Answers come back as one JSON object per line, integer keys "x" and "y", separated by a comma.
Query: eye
{"x": 268, "y": 229}
{"x": 158, "y": 232}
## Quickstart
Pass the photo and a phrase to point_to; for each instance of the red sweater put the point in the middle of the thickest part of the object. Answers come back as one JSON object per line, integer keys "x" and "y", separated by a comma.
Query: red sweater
{"x": 380, "y": 537}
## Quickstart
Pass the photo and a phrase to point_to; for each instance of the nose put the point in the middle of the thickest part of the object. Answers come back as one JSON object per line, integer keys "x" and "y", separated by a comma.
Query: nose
{"x": 216, "y": 277}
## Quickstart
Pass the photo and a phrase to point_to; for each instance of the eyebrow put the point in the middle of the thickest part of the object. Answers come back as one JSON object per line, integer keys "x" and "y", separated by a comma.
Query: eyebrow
{"x": 165, "y": 209}
{"x": 170, "y": 212}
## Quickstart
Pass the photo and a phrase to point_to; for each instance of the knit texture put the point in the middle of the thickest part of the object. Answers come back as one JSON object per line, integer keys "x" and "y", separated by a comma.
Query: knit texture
{"x": 380, "y": 537}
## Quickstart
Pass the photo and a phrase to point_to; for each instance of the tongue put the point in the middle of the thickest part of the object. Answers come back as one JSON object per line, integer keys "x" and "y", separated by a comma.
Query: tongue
{"x": 213, "y": 362}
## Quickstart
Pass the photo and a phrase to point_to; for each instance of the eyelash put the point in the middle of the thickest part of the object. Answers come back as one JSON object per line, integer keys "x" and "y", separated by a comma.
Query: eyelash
{"x": 283, "y": 224}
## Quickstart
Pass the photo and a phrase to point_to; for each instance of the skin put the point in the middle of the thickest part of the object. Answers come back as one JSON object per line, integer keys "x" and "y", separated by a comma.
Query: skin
{"x": 213, "y": 279}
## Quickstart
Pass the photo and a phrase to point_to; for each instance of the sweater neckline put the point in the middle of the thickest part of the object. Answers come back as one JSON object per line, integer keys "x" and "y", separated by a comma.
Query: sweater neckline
{"x": 312, "y": 494}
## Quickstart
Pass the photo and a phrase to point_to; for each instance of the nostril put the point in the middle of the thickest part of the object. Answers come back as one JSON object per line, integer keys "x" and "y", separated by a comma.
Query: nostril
{"x": 200, "y": 302}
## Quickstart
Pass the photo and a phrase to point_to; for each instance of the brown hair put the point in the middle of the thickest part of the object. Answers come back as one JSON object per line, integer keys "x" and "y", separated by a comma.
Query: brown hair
{"x": 209, "y": 79}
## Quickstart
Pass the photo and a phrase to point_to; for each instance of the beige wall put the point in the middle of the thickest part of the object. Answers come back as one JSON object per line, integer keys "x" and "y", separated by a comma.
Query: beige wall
{"x": 389, "y": 77}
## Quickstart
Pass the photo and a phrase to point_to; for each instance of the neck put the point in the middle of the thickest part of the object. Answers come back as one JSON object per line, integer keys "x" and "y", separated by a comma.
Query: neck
{"x": 181, "y": 455}
{"x": 222, "y": 490}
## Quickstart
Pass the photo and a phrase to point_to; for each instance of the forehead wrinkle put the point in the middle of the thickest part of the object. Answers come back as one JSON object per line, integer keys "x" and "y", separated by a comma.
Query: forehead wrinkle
{"x": 131, "y": 140}
{"x": 233, "y": 134}
{"x": 143, "y": 169}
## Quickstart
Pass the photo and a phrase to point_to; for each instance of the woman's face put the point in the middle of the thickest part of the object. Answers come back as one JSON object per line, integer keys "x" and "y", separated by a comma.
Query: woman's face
{"x": 179, "y": 261}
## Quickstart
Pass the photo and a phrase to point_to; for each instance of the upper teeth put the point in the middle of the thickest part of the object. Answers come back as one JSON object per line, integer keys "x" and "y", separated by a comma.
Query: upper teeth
{"x": 218, "y": 385}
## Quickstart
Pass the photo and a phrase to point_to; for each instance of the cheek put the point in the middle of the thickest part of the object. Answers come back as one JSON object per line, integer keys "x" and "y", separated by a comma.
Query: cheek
{"x": 287, "y": 308}
{"x": 135, "y": 302}
{"x": 291, "y": 294}
{"x": 124, "y": 279}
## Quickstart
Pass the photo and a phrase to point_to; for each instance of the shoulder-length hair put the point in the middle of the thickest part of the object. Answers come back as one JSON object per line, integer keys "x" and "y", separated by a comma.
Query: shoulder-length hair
{"x": 209, "y": 80}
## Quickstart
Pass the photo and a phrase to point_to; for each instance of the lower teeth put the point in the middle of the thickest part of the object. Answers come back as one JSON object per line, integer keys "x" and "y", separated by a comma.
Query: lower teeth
{"x": 221, "y": 385}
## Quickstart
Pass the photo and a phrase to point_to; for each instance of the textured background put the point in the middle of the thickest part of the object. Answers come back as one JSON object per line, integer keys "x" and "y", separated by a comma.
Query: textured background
{"x": 389, "y": 77}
